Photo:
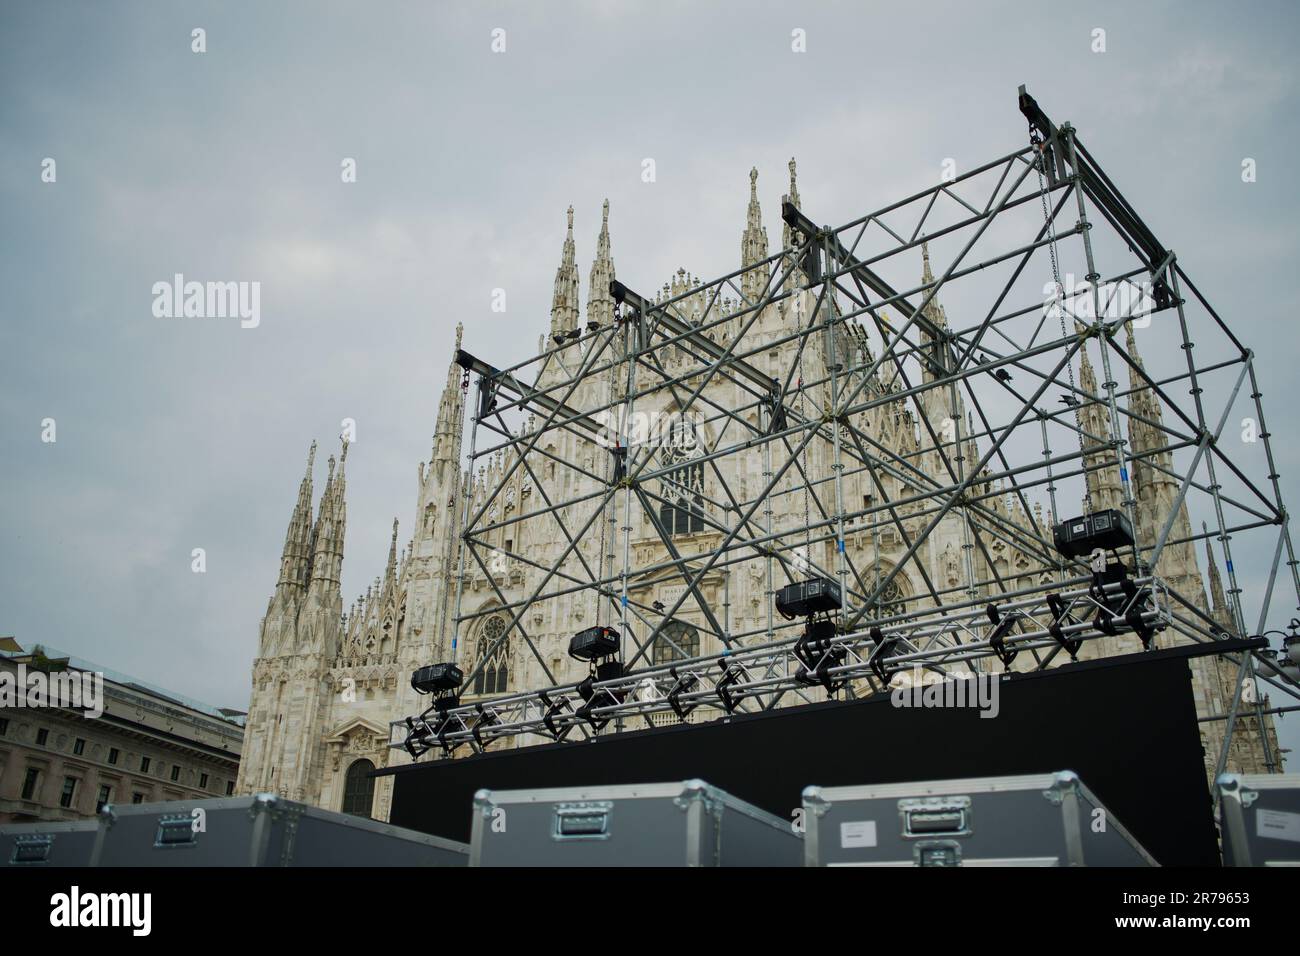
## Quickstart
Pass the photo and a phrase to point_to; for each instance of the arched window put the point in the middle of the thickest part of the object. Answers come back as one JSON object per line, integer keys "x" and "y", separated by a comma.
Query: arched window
{"x": 682, "y": 511}
{"x": 492, "y": 676}
{"x": 677, "y": 641}
{"x": 892, "y": 600}
{"x": 359, "y": 789}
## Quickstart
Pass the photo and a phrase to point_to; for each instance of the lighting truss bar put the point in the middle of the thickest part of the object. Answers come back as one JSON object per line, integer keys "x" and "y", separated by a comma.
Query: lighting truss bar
{"x": 1100, "y": 190}
{"x": 527, "y": 395}
{"x": 940, "y": 640}
{"x": 799, "y": 222}
{"x": 684, "y": 330}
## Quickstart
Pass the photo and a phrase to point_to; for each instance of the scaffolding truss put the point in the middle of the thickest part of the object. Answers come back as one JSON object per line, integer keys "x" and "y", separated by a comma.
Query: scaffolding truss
{"x": 869, "y": 342}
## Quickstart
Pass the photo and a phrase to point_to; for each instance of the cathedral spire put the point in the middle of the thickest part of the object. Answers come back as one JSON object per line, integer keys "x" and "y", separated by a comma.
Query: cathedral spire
{"x": 795, "y": 279}
{"x": 600, "y": 304}
{"x": 1218, "y": 601}
{"x": 451, "y": 412}
{"x": 295, "y": 560}
{"x": 753, "y": 245}
{"x": 390, "y": 572}
{"x": 564, "y": 304}
{"x": 331, "y": 525}
{"x": 392, "y": 553}
{"x": 933, "y": 311}
{"x": 792, "y": 197}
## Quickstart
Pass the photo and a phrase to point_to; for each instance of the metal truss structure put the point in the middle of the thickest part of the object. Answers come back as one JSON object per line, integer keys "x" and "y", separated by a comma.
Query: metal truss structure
{"x": 1005, "y": 223}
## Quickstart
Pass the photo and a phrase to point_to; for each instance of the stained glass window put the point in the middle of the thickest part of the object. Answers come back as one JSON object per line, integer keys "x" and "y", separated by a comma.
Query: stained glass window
{"x": 492, "y": 676}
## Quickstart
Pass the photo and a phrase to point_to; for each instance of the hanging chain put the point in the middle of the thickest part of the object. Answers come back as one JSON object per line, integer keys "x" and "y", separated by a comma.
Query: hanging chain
{"x": 1058, "y": 291}
{"x": 807, "y": 484}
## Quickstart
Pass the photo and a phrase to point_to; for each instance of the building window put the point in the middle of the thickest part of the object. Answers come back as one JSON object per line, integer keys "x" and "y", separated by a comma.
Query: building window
{"x": 105, "y": 796}
{"x": 230, "y": 787}
{"x": 676, "y": 641}
{"x": 137, "y": 798}
{"x": 69, "y": 791}
{"x": 79, "y": 746}
{"x": 144, "y": 764}
{"x": 176, "y": 772}
{"x": 29, "y": 783}
{"x": 42, "y": 735}
{"x": 682, "y": 510}
{"x": 359, "y": 789}
{"x": 203, "y": 781}
{"x": 494, "y": 672}
{"x": 112, "y": 755}
{"x": 892, "y": 600}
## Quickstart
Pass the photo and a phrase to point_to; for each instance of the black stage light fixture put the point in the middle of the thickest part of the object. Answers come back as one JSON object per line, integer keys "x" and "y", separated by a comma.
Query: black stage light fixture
{"x": 594, "y": 643}
{"x": 553, "y": 709}
{"x": 1060, "y": 618}
{"x": 817, "y": 653}
{"x": 1108, "y": 530}
{"x": 803, "y": 598}
{"x": 1121, "y": 604}
{"x": 1002, "y": 627}
{"x": 876, "y": 661}
{"x": 414, "y": 743}
{"x": 599, "y": 696}
{"x": 484, "y": 721}
{"x": 731, "y": 675}
{"x": 685, "y": 684}
{"x": 436, "y": 678}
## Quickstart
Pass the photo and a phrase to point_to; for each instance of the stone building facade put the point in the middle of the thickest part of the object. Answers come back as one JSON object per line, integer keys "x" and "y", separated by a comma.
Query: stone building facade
{"x": 60, "y": 763}
{"x": 328, "y": 680}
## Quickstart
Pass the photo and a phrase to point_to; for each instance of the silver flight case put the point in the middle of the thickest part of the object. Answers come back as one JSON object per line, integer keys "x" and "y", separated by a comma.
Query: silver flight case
{"x": 1033, "y": 820}
{"x": 262, "y": 830}
{"x": 654, "y": 824}
{"x": 1259, "y": 816}
{"x": 62, "y": 843}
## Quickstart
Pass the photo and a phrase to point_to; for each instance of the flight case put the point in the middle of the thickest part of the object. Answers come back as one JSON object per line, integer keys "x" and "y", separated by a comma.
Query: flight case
{"x": 261, "y": 830}
{"x": 48, "y": 843}
{"x": 1033, "y": 820}
{"x": 656, "y": 824}
{"x": 1259, "y": 816}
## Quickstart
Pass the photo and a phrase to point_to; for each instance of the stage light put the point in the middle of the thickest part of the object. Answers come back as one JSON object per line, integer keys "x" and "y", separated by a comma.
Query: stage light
{"x": 1061, "y": 616}
{"x": 594, "y": 643}
{"x": 553, "y": 709}
{"x": 436, "y": 678}
{"x": 1002, "y": 627}
{"x": 685, "y": 684}
{"x": 594, "y": 696}
{"x": 415, "y": 747}
{"x": 817, "y": 654}
{"x": 1108, "y": 530}
{"x": 804, "y": 598}
{"x": 731, "y": 675}
{"x": 876, "y": 661}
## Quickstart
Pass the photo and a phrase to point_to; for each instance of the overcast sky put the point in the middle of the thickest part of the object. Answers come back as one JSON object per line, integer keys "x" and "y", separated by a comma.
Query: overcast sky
{"x": 176, "y": 434}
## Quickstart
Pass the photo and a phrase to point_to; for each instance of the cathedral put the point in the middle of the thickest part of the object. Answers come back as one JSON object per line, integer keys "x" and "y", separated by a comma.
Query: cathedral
{"x": 328, "y": 678}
